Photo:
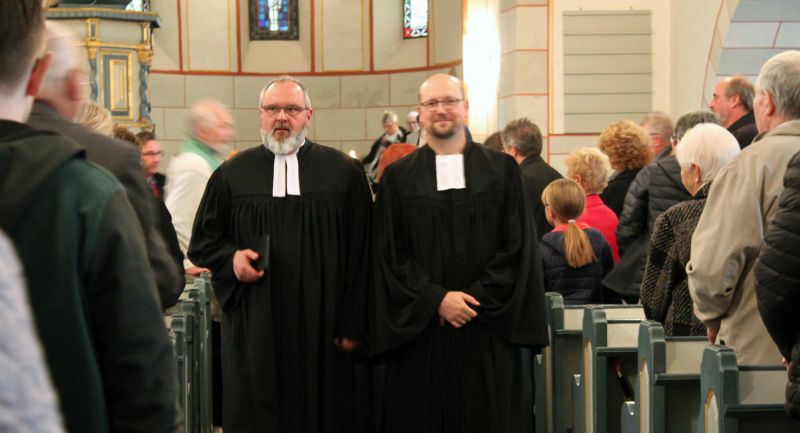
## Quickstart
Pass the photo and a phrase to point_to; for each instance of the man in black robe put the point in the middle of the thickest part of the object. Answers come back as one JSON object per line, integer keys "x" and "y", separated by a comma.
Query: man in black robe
{"x": 459, "y": 286}
{"x": 284, "y": 229}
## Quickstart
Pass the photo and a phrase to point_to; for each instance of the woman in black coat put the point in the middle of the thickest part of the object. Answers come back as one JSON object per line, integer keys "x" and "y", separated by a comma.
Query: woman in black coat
{"x": 778, "y": 282}
{"x": 628, "y": 149}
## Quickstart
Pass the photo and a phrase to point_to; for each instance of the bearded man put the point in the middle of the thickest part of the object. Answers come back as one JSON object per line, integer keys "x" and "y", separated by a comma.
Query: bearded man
{"x": 284, "y": 229}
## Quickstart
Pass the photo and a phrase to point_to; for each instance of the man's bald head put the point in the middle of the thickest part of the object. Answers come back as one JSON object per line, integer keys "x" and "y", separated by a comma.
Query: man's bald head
{"x": 440, "y": 80}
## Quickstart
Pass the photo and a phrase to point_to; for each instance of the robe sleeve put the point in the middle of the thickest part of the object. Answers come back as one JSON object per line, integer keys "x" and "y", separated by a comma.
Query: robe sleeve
{"x": 353, "y": 307}
{"x": 405, "y": 298}
{"x": 511, "y": 289}
{"x": 134, "y": 352}
{"x": 211, "y": 245}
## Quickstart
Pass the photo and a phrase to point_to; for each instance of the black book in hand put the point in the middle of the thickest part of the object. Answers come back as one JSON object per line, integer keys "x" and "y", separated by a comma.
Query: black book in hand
{"x": 261, "y": 246}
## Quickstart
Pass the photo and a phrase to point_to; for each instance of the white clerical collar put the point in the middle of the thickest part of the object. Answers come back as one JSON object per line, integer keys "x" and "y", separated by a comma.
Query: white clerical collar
{"x": 286, "y": 174}
{"x": 450, "y": 172}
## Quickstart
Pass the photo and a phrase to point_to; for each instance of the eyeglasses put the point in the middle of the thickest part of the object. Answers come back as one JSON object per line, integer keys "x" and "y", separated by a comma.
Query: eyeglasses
{"x": 447, "y": 104}
{"x": 151, "y": 154}
{"x": 290, "y": 110}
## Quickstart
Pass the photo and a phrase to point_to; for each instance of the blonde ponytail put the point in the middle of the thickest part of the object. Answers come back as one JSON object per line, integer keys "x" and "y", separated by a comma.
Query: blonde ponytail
{"x": 577, "y": 248}
{"x": 567, "y": 199}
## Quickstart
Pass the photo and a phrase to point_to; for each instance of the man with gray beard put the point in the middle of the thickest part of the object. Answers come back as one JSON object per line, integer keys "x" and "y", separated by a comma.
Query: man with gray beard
{"x": 284, "y": 229}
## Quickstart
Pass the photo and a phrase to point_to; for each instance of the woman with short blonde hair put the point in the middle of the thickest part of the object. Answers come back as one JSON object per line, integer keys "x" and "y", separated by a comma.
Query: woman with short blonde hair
{"x": 590, "y": 169}
{"x": 97, "y": 118}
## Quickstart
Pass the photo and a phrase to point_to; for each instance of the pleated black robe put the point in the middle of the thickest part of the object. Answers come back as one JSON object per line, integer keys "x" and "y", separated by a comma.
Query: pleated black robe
{"x": 281, "y": 372}
{"x": 478, "y": 240}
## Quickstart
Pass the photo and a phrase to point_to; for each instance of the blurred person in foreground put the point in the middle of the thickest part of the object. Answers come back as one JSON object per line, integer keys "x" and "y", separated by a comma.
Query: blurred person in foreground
{"x": 91, "y": 289}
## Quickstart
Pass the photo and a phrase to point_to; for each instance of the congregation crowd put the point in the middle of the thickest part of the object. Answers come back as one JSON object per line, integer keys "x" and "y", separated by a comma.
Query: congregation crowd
{"x": 399, "y": 293}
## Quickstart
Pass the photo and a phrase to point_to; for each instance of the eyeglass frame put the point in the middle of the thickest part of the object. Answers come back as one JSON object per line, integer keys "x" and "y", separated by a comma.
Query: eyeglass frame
{"x": 153, "y": 154}
{"x": 270, "y": 110}
{"x": 447, "y": 104}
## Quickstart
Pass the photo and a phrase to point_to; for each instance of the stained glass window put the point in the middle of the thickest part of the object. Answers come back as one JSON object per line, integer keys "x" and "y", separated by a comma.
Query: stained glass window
{"x": 415, "y": 19}
{"x": 273, "y": 19}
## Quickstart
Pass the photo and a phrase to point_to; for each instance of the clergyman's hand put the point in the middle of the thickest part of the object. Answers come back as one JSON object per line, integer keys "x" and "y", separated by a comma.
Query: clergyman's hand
{"x": 243, "y": 268}
{"x": 455, "y": 308}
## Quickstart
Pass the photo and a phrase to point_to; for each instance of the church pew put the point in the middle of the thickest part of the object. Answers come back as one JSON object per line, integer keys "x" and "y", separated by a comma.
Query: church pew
{"x": 608, "y": 333}
{"x": 668, "y": 383}
{"x": 553, "y": 405}
{"x": 741, "y": 399}
{"x": 181, "y": 333}
{"x": 555, "y": 366}
{"x": 200, "y": 292}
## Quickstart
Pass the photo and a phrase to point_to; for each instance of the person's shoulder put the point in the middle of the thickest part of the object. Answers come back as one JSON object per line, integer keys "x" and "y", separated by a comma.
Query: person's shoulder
{"x": 89, "y": 178}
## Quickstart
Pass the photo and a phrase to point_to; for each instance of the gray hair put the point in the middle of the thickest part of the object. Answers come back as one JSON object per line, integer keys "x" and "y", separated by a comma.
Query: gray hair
{"x": 692, "y": 119}
{"x": 739, "y": 85}
{"x": 389, "y": 116}
{"x": 286, "y": 79}
{"x": 523, "y": 135}
{"x": 708, "y": 146}
{"x": 661, "y": 123}
{"x": 780, "y": 77}
{"x": 63, "y": 43}
{"x": 204, "y": 115}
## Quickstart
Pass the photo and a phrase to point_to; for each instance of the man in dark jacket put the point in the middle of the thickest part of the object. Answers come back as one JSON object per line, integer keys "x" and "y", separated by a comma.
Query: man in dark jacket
{"x": 57, "y": 103}
{"x": 522, "y": 139}
{"x": 733, "y": 103}
{"x": 778, "y": 282}
{"x": 393, "y": 133}
{"x": 91, "y": 291}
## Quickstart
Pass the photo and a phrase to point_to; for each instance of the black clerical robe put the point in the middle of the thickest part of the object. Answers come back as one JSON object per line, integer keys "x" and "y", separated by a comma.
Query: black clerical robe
{"x": 478, "y": 240}
{"x": 281, "y": 372}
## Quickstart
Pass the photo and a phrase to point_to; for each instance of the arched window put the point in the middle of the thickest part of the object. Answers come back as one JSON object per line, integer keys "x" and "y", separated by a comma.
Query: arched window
{"x": 273, "y": 19}
{"x": 415, "y": 19}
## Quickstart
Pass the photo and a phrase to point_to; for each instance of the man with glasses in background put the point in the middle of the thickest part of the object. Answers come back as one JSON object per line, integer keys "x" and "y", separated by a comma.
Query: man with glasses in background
{"x": 151, "y": 154}
{"x": 284, "y": 228}
{"x": 459, "y": 287}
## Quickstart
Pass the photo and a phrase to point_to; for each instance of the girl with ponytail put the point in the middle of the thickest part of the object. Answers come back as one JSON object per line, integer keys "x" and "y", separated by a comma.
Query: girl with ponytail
{"x": 575, "y": 256}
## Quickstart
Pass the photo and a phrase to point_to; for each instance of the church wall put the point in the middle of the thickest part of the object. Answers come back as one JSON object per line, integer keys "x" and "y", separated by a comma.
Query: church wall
{"x": 350, "y": 54}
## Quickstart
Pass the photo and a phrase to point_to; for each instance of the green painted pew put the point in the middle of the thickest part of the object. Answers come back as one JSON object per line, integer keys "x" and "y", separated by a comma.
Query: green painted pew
{"x": 608, "y": 332}
{"x": 667, "y": 391}
{"x": 741, "y": 399}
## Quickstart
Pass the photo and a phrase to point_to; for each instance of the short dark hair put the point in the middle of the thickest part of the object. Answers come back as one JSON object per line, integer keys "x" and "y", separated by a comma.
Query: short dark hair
{"x": 494, "y": 141}
{"x": 740, "y": 86}
{"x": 144, "y": 136}
{"x": 122, "y": 133}
{"x": 524, "y": 135}
{"x": 20, "y": 38}
{"x": 692, "y": 119}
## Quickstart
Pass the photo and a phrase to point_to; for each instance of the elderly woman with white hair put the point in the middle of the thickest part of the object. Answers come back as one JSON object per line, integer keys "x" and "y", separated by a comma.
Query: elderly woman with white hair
{"x": 702, "y": 152}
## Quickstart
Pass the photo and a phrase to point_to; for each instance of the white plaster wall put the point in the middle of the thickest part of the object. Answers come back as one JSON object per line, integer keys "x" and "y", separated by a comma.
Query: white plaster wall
{"x": 693, "y": 26}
